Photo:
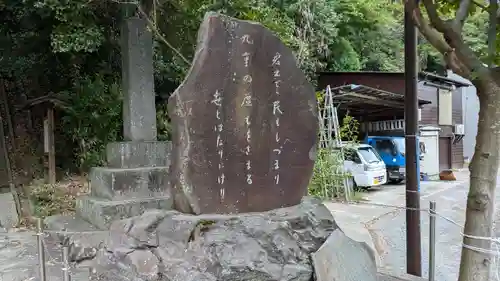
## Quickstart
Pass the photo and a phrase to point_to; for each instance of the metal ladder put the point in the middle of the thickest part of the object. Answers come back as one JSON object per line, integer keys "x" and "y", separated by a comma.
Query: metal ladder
{"x": 330, "y": 137}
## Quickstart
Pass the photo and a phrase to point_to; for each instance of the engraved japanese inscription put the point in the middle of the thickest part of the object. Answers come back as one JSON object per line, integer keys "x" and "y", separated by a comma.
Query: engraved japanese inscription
{"x": 244, "y": 122}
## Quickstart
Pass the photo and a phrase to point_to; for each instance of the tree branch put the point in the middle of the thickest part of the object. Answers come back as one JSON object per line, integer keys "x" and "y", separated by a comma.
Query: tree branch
{"x": 434, "y": 18}
{"x": 432, "y": 35}
{"x": 437, "y": 40}
{"x": 462, "y": 13}
{"x": 492, "y": 32}
{"x": 152, "y": 25}
{"x": 462, "y": 56}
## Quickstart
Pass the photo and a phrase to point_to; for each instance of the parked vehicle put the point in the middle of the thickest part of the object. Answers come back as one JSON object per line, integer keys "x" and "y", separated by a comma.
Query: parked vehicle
{"x": 365, "y": 165}
{"x": 392, "y": 150}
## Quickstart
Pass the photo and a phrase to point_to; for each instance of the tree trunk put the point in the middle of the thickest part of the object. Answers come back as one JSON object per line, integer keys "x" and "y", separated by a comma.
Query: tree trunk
{"x": 475, "y": 265}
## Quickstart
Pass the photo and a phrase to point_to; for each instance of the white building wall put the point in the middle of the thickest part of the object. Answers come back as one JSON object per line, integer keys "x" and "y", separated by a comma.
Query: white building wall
{"x": 470, "y": 109}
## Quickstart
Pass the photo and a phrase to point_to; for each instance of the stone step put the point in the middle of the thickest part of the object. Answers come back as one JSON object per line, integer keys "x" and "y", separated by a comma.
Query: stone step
{"x": 120, "y": 184}
{"x": 138, "y": 154}
{"x": 101, "y": 212}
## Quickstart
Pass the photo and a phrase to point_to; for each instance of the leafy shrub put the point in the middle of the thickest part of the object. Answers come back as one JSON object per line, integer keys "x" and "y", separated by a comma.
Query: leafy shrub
{"x": 93, "y": 118}
{"x": 329, "y": 177}
{"x": 50, "y": 199}
{"x": 163, "y": 123}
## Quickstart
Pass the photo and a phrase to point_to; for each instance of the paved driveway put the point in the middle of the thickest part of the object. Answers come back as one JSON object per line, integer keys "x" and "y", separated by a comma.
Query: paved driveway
{"x": 388, "y": 230}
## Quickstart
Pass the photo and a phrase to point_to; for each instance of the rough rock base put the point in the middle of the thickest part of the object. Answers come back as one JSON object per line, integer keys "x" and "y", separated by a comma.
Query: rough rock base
{"x": 167, "y": 245}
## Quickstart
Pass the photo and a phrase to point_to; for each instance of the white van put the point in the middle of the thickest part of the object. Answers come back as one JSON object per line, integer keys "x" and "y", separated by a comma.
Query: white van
{"x": 365, "y": 165}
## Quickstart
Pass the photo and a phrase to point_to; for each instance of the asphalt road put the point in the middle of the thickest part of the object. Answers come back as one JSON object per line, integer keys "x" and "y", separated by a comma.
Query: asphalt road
{"x": 389, "y": 230}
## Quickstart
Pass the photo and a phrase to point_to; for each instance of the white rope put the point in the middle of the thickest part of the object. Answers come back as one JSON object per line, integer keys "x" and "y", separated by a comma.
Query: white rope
{"x": 494, "y": 251}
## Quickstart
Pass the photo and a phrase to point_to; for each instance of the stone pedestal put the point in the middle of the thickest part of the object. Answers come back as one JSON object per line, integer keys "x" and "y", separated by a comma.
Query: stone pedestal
{"x": 137, "y": 176}
{"x": 274, "y": 245}
{"x": 137, "y": 179}
{"x": 296, "y": 243}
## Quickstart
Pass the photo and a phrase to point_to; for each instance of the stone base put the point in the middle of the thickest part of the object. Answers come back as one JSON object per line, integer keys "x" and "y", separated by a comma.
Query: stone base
{"x": 274, "y": 245}
{"x": 101, "y": 212}
{"x": 120, "y": 184}
{"x": 138, "y": 154}
{"x": 137, "y": 179}
{"x": 297, "y": 243}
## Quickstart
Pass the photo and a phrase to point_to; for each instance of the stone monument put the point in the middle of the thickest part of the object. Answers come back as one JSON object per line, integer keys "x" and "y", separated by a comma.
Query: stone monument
{"x": 244, "y": 145}
{"x": 244, "y": 123}
{"x": 136, "y": 177}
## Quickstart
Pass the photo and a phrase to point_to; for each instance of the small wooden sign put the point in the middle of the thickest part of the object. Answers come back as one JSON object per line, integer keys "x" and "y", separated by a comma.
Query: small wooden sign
{"x": 46, "y": 137}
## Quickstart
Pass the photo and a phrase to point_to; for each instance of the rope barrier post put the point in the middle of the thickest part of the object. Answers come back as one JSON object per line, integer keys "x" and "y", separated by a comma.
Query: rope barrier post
{"x": 65, "y": 258}
{"x": 432, "y": 240}
{"x": 41, "y": 251}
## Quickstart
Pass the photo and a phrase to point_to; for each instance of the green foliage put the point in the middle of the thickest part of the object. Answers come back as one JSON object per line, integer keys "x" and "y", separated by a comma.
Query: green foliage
{"x": 349, "y": 130}
{"x": 163, "y": 123}
{"x": 93, "y": 118}
{"x": 370, "y": 32}
{"x": 315, "y": 27}
{"x": 329, "y": 177}
{"x": 50, "y": 199}
{"x": 72, "y": 48}
{"x": 328, "y": 180}
{"x": 75, "y": 28}
{"x": 475, "y": 29}
{"x": 476, "y": 37}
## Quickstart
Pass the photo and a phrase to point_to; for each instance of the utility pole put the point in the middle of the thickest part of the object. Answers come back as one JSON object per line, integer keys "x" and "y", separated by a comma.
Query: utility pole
{"x": 413, "y": 240}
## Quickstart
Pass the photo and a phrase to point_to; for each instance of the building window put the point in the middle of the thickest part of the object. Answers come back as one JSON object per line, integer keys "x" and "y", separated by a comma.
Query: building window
{"x": 445, "y": 107}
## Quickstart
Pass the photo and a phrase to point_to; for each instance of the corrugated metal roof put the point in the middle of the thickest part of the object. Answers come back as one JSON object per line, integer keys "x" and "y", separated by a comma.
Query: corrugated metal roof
{"x": 423, "y": 76}
{"x": 361, "y": 99}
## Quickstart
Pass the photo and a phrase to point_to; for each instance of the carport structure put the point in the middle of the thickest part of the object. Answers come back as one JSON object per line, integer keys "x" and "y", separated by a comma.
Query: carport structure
{"x": 369, "y": 104}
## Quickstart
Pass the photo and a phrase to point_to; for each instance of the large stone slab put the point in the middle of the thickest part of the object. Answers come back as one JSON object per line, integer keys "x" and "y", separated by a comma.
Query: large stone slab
{"x": 138, "y": 154}
{"x": 101, "y": 212}
{"x": 342, "y": 259}
{"x": 244, "y": 123}
{"x": 122, "y": 184}
{"x": 274, "y": 245}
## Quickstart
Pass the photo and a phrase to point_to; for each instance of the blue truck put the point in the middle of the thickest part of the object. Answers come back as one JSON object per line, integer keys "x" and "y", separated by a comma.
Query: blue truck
{"x": 392, "y": 151}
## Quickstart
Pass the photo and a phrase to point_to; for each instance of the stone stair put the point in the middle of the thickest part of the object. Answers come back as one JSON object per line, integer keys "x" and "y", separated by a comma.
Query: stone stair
{"x": 136, "y": 179}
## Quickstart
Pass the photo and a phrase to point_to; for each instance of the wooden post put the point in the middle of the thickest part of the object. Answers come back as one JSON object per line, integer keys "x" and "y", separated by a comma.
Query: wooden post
{"x": 51, "y": 146}
{"x": 8, "y": 117}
